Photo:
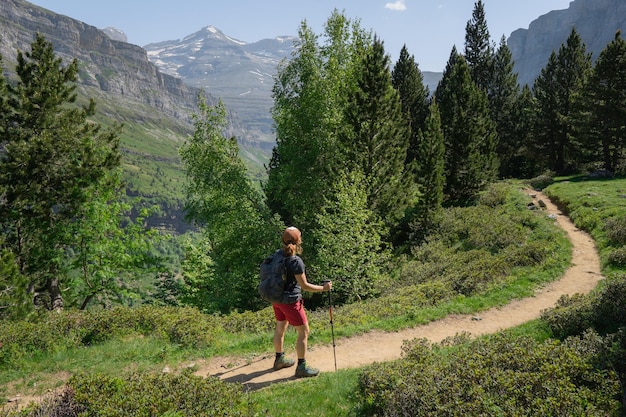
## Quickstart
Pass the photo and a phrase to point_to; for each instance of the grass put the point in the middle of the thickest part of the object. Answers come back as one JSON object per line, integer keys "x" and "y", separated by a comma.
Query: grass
{"x": 589, "y": 204}
{"x": 330, "y": 394}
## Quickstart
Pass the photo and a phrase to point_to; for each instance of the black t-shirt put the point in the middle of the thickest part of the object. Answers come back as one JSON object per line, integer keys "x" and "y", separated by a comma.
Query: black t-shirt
{"x": 293, "y": 266}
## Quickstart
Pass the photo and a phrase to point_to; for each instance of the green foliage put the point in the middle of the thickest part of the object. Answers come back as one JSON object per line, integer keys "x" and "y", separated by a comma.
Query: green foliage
{"x": 478, "y": 48}
{"x": 615, "y": 230}
{"x": 500, "y": 375}
{"x": 310, "y": 96}
{"x": 110, "y": 249}
{"x": 146, "y": 395}
{"x": 376, "y": 141}
{"x": 238, "y": 227}
{"x": 470, "y": 133}
{"x": 14, "y": 301}
{"x": 602, "y": 311}
{"x": 597, "y": 207}
{"x": 349, "y": 249}
{"x": 600, "y": 127}
{"x": 477, "y": 248}
{"x": 555, "y": 90}
{"x": 503, "y": 101}
{"x": 429, "y": 177}
{"x": 57, "y": 166}
{"x": 407, "y": 78}
{"x": 57, "y": 332}
{"x": 541, "y": 181}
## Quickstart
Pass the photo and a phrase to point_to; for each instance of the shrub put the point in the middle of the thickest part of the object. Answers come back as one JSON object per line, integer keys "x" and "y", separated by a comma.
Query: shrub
{"x": 495, "y": 195}
{"x": 542, "y": 181}
{"x": 501, "y": 375}
{"x": 53, "y": 332}
{"x": 617, "y": 257}
{"x": 615, "y": 229}
{"x": 572, "y": 315}
{"x": 602, "y": 310}
{"x": 146, "y": 395}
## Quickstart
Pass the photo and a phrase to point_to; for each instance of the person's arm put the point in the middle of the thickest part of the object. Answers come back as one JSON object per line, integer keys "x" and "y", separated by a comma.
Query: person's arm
{"x": 306, "y": 286}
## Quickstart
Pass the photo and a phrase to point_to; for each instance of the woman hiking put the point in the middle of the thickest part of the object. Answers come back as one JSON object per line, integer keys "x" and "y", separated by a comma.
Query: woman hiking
{"x": 294, "y": 314}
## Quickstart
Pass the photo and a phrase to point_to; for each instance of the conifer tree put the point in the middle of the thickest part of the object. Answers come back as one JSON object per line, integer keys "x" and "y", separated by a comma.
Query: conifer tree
{"x": 378, "y": 139}
{"x": 469, "y": 132}
{"x": 523, "y": 162}
{"x": 54, "y": 157}
{"x": 560, "y": 81}
{"x": 603, "y": 101}
{"x": 478, "y": 48}
{"x": 346, "y": 226}
{"x": 502, "y": 98}
{"x": 430, "y": 176}
{"x": 407, "y": 78}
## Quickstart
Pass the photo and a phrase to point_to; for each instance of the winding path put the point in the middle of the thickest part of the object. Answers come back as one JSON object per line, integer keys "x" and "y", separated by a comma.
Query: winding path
{"x": 581, "y": 277}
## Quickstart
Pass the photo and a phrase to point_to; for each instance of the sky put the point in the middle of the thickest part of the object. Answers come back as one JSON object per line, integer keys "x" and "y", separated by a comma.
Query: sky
{"x": 428, "y": 28}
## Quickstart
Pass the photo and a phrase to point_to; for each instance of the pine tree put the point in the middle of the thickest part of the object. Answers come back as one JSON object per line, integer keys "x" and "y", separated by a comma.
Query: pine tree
{"x": 469, "y": 132}
{"x": 502, "y": 98}
{"x": 54, "y": 158}
{"x": 523, "y": 162}
{"x": 478, "y": 49}
{"x": 604, "y": 105}
{"x": 430, "y": 176}
{"x": 378, "y": 141}
{"x": 560, "y": 81}
{"x": 407, "y": 78}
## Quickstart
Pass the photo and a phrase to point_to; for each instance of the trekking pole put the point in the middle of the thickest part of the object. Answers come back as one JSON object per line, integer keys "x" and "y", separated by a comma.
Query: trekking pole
{"x": 332, "y": 327}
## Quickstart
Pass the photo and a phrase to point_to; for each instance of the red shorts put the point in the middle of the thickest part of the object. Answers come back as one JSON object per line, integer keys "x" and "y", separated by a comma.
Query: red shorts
{"x": 293, "y": 313}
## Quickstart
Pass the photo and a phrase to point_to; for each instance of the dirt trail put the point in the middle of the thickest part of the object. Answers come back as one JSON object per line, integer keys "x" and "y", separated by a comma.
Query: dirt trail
{"x": 582, "y": 276}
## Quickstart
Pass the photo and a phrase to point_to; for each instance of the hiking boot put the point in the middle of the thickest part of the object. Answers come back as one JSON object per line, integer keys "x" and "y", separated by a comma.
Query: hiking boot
{"x": 303, "y": 371}
{"x": 282, "y": 362}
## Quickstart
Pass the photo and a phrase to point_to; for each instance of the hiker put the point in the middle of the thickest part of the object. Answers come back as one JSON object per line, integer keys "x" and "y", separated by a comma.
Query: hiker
{"x": 294, "y": 314}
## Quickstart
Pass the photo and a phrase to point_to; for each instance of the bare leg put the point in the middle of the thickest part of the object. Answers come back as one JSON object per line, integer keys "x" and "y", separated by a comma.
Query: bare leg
{"x": 301, "y": 342}
{"x": 279, "y": 336}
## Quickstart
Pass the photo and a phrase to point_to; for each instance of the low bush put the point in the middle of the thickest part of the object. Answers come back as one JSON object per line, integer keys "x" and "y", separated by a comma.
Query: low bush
{"x": 55, "y": 332}
{"x": 615, "y": 229}
{"x": 500, "y": 375}
{"x": 541, "y": 181}
{"x": 602, "y": 310}
{"x": 146, "y": 395}
{"x": 617, "y": 257}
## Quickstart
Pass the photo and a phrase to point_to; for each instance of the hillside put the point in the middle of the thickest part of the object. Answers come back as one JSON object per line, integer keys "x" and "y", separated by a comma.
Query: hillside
{"x": 155, "y": 108}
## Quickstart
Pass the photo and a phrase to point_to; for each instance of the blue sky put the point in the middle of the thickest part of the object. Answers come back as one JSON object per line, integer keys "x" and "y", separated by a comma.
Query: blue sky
{"x": 429, "y": 28}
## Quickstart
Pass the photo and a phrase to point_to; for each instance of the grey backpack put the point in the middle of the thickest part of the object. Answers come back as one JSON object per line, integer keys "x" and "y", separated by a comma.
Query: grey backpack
{"x": 272, "y": 285}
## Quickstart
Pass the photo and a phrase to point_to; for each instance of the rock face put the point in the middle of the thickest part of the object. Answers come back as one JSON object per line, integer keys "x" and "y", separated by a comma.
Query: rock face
{"x": 114, "y": 67}
{"x": 596, "y": 21}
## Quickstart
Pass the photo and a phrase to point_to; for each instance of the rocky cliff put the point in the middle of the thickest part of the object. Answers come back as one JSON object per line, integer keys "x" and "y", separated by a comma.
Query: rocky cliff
{"x": 596, "y": 21}
{"x": 112, "y": 66}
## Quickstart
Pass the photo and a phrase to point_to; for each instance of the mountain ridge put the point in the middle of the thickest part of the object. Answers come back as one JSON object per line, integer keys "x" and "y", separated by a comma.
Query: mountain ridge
{"x": 596, "y": 21}
{"x": 239, "y": 73}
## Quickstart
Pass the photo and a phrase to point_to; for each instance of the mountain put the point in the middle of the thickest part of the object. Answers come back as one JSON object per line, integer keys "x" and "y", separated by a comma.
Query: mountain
{"x": 108, "y": 65}
{"x": 596, "y": 21}
{"x": 241, "y": 74}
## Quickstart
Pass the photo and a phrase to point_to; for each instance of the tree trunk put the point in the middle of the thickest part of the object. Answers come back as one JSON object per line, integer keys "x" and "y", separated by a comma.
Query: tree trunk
{"x": 56, "y": 299}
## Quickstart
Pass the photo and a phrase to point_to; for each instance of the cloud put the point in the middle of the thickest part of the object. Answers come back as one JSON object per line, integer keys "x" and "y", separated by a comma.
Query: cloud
{"x": 398, "y": 6}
